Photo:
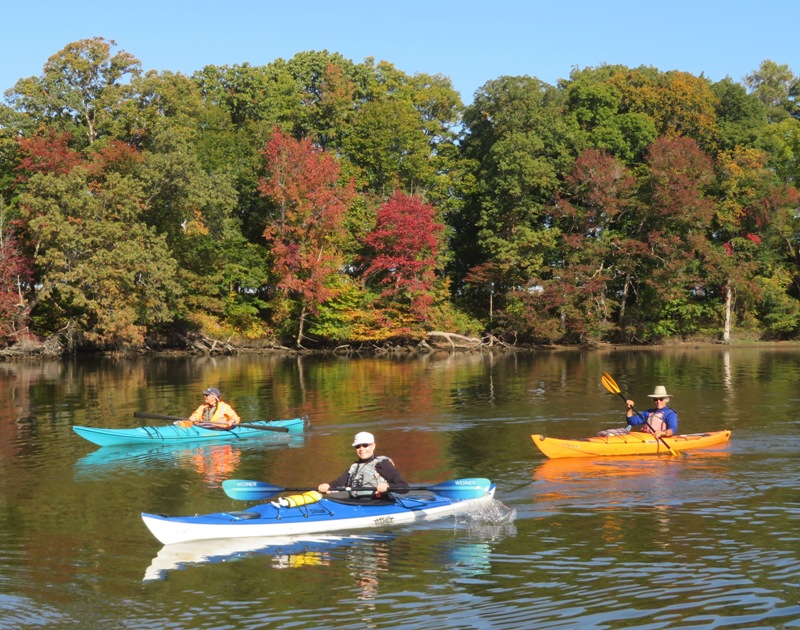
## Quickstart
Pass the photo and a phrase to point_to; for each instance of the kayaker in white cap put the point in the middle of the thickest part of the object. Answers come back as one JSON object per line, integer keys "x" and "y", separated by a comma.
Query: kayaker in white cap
{"x": 377, "y": 473}
{"x": 214, "y": 410}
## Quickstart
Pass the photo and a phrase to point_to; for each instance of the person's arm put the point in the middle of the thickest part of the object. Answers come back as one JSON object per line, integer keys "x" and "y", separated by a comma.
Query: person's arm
{"x": 229, "y": 415}
{"x": 671, "y": 418}
{"x": 339, "y": 482}
{"x": 637, "y": 418}
{"x": 629, "y": 405}
{"x": 197, "y": 416}
{"x": 387, "y": 470}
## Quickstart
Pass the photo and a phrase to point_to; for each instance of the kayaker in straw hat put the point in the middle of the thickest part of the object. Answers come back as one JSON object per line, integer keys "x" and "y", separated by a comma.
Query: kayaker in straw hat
{"x": 375, "y": 473}
{"x": 214, "y": 410}
{"x": 662, "y": 420}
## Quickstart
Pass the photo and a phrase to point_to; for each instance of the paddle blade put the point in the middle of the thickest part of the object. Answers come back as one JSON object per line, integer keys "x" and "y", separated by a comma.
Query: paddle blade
{"x": 469, "y": 488}
{"x": 610, "y": 384}
{"x": 673, "y": 451}
{"x": 247, "y": 490}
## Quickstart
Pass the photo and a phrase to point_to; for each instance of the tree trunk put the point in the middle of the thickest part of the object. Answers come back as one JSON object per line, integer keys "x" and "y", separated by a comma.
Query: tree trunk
{"x": 726, "y": 331}
{"x": 624, "y": 299}
{"x": 299, "y": 340}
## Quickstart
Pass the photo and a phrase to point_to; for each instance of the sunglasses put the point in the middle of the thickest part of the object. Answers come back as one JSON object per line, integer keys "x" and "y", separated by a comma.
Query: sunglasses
{"x": 362, "y": 445}
{"x": 659, "y": 398}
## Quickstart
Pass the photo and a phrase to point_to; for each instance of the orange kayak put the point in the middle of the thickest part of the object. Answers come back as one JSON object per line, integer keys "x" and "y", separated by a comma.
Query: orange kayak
{"x": 633, "y": 443}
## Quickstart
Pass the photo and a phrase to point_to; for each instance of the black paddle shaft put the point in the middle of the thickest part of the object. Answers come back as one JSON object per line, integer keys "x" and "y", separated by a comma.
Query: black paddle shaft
{"x": 158, "y": 416}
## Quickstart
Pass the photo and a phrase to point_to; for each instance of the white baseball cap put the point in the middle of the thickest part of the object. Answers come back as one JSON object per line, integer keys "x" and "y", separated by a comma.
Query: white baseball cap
{"x": 363, "y": 438}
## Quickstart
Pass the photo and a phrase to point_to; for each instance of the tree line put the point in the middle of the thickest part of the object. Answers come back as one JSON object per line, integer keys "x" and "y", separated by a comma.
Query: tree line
{"x": 316, "y": 202}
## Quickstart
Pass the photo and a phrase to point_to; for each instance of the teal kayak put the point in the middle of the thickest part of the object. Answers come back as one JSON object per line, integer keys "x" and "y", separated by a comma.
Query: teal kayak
{"x": 173, "y": 434}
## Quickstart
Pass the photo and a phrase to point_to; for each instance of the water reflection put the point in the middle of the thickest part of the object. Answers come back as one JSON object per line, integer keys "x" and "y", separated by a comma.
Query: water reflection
{"x": 570, "y": 483}
{"x": 709, "y": 540}
{"x": 212, "y": 462}
{"x": 286, "y": 552}
{"x": 366, "y": 558}
{"x": 579, "y": 469}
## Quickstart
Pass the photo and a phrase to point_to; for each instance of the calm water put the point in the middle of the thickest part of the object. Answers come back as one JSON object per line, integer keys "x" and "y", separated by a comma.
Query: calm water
{"x": 710, "y": 540}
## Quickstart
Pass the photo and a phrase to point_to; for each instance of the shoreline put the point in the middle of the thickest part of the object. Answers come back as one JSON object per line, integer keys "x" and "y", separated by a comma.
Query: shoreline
{"x": 409, "y": 350}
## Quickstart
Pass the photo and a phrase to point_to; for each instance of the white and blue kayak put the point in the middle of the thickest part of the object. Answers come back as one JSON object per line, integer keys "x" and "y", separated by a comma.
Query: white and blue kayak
{"x": 173, "y": 433}
{"x": 328, "y": 514}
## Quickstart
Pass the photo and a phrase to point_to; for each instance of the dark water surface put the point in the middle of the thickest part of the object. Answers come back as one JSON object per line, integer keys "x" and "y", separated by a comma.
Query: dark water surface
{"x": 709, "y": 540}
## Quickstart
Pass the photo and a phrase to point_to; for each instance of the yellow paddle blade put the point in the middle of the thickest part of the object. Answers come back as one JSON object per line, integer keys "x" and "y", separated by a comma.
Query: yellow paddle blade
{"x": 610, "y": 384}
{"x": 673, "y": 451}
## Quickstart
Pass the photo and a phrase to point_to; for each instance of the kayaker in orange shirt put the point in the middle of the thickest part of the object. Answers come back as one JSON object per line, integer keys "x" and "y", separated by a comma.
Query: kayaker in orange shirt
{"x": 214, "y": 410}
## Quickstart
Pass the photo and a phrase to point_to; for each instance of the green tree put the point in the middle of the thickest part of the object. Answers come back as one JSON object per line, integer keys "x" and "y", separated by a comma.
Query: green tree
{"x": 81, "y": 89}
{"x": 777, "y": 88}
{"x": 517, "y": 143}
{"x": 388, "y": 147}
{"x": 598, "y": 108}
{"x": 191, "y": 173}
{"x": 97, "y": 264}
{"x": 740, "y": 116}
{"x": 757, "y": 225}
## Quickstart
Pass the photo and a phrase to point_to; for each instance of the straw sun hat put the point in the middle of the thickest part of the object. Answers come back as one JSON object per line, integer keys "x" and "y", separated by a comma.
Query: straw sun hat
{"x": 659, "y": 392}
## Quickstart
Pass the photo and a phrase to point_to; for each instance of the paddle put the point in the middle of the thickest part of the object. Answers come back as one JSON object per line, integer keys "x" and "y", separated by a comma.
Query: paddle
{"x": 611, "y": 385}
{"x": 246, "y": 490}
{"x": 158, "y": 416}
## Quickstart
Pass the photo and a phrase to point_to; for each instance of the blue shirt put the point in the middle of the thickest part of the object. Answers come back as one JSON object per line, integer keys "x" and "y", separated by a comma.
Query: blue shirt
{"x": 670, "y": 417}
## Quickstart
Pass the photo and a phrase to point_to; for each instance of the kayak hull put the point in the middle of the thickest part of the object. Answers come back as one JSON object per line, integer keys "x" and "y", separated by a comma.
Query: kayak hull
{"x": 633, "y": 443}
{"x": 173, "y": 434}
{"x": 326, "y": 515}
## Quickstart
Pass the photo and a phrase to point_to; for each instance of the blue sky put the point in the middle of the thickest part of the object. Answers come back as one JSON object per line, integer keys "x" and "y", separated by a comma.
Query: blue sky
{"x": 469, "y": 41}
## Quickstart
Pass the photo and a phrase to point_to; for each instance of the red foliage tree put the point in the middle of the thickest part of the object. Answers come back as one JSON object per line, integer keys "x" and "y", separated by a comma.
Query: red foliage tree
{"x": 578, "y": 295}
{"x": 303, "y": 182}
{"x": 48, "y": 153}
{"x": 679, "y": 176}
{"x": 51, "y": 153}
{"x": 405, "y": 246}
{"x": 15, "y": 273}
{"x": 114, "y": 156}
